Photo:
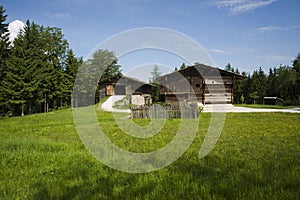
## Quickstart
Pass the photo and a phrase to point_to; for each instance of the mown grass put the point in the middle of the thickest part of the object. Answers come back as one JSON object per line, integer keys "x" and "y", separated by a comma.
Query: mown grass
{"x": 264, "y": 106}
{"x": 256, "y": 157}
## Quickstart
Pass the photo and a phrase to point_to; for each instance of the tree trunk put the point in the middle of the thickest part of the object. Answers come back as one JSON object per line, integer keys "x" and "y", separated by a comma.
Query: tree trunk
{"x": 45, "y": 104}
{"x": 22, "y": 109}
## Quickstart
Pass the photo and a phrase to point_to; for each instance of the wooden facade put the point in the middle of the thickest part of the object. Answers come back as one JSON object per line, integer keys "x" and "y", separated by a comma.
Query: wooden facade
{"x": 199, "y": 83}
{"x": 122, "y": 85}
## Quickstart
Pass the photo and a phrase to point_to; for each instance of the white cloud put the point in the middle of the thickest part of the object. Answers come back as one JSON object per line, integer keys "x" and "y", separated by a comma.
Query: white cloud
{"x": 275, "y": 28}
{"x": 228, "y": 3}
{"x": 270, "y": 28}
{"x": 14, "y": 28}
{"x": 61, "y": 16}
{"x": 251, "y": 34}
{"x": 182, "y": 13}
{"x": 216, "y": 51}
{"x": 241, "y": 6}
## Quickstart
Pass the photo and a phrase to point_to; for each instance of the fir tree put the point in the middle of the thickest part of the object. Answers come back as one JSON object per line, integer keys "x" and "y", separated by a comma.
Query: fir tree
{"x": 72, "y": 66}
{"x": 156, "y": 73}
{"x": 36, "y": 79}
{"x": 182, "y": 66}
{"x": 4, "y": 54}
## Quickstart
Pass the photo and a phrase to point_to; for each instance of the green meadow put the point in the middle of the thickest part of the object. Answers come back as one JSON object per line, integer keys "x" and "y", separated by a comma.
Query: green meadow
{"x": 262, "y": 106}
{"x": 256, "y": 157}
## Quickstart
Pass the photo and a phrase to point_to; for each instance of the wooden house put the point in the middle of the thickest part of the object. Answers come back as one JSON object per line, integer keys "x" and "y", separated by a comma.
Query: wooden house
{"x": 123, "y": 85}
{"x": 199, "y": 83}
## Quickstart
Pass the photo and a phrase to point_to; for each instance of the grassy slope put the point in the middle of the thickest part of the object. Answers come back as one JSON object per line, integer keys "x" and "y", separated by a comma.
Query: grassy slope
{"x": 257, "y": 157}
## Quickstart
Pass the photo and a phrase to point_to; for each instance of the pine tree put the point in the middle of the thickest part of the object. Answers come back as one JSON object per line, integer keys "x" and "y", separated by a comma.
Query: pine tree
{"x": 296, "y": 67}
{"x": 246, "y": 89}
{"x": 238, "y": 90}
{"x": 262, "y": 85}
{"x": 156, "y": 73}
{"x": 287, "y": 78}
{"x": 182, "y": 66}
{"x": 36, "y": 79}
{"x": 55, "y": 50}
{"x": 4, "y": 41}
{"x": 72, "y": 66}
{"x": 229, "y": 68}
{"x": 271, "y": 84}
{"x": 4, "y": 54}
{"x": 20, "y": 83}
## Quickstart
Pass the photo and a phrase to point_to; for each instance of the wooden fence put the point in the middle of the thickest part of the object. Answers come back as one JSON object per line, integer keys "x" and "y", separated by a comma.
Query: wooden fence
{"x": 167, "y": 111}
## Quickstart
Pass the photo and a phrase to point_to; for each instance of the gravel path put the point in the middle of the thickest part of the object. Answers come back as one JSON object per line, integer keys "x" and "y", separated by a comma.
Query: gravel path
{"x": 107, "y": 106}
{"x": 230, "y": 108}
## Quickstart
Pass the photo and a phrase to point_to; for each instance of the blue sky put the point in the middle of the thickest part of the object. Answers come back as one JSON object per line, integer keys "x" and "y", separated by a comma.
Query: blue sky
{"x": 247, "y": 33}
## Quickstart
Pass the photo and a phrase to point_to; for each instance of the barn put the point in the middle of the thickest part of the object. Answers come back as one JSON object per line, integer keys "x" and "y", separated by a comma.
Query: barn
{"x": 199, "y": 83}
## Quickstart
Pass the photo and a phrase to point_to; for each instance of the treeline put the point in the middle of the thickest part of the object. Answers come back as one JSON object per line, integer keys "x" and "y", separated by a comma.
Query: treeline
{"x": 37, "y": 69}
{"x": 282, "y": 82}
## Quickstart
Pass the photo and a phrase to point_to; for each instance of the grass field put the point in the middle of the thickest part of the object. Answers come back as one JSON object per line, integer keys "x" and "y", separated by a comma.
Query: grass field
{"x": 256, "y": 157}
{"x": 265, "y": 106}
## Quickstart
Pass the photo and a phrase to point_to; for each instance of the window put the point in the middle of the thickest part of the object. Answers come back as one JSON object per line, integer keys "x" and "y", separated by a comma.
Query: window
{"x": 197, "y": 85}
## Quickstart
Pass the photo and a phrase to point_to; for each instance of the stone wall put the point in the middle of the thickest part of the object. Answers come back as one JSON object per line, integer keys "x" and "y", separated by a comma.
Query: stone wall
{"x": 137, "y": 100}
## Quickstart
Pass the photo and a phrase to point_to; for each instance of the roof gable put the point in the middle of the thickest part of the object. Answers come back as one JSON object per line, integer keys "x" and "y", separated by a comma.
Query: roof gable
{"x": 204, "y": 71}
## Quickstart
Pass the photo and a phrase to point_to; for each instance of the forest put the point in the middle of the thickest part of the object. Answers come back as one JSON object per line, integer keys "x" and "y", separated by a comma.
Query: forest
{"x": 282, "y": 82}
{"x": 38, "y": 69}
